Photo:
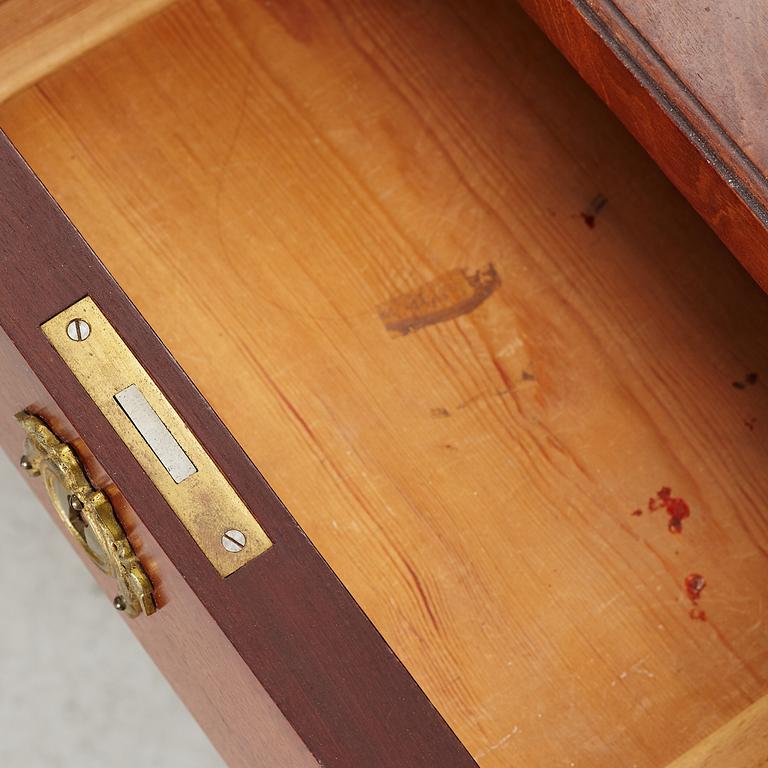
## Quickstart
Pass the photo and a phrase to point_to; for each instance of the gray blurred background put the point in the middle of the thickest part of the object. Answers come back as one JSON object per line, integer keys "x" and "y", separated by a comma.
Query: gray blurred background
{"x": 59, "y": 636}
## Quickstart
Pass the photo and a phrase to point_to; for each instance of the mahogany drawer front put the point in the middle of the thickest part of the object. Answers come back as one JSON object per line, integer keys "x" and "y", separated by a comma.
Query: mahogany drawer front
{"x": 465, "y": 328}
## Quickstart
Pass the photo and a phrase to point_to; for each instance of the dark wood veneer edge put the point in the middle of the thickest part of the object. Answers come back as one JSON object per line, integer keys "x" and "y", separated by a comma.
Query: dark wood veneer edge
{"x": 683, "y": 106}
{"x": 291, "y": 620}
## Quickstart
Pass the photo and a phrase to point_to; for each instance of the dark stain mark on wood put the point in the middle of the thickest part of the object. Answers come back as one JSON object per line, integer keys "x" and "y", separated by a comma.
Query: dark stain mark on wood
{"x": 593, "y": 209}
{"x": 749, "y": 381}
{"x": 750, "y": 423}
{"x": 449, "y": 296}
{"x": 440, "y": 413}
{"x": 528, "y": 376}
{"x": 637, "y": 512}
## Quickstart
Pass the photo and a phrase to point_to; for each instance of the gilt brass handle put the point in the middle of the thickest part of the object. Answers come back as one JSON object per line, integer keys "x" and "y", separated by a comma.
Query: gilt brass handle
{"x": 87, "y": 514}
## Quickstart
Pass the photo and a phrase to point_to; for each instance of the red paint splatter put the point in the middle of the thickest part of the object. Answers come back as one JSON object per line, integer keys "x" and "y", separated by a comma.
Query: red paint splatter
{"x": 637, "y": 513}
{"x": 676, "y": 508}
{"x": 694, "y": 584}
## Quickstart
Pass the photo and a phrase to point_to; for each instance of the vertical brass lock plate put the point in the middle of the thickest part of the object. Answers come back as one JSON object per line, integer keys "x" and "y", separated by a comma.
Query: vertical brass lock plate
{"x": 167, "y": 450}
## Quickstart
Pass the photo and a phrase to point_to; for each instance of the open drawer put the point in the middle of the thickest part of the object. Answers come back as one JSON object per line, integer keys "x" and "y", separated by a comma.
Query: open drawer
{"x": 501, "y": 374}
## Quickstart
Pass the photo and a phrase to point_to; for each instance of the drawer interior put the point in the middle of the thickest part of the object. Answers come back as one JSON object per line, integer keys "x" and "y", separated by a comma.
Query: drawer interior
{"x": 509, "y": 383}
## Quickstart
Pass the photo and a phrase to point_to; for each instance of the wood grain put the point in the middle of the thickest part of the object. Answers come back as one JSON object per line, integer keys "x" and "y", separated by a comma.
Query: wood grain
{"x": 685, "y": 78}
{"x": 740, "y": 743}
{"x": 263, "y": 179}
{"x": 39, "y": 36}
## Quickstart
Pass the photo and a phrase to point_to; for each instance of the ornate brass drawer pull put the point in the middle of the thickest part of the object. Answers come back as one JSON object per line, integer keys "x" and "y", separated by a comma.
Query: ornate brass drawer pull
{"x": 87, "y": 515}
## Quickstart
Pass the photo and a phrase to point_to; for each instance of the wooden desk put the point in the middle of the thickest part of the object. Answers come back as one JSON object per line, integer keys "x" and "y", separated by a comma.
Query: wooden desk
{"x": 466, "y": 328}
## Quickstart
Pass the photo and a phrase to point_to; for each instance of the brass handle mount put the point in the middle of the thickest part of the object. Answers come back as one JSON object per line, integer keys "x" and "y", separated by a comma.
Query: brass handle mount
{"x": 87, "y": 514}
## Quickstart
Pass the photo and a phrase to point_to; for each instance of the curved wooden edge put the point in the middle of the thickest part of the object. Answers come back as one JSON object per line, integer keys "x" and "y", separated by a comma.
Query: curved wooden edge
{"x": 682, "y": 137}
{"x": 38, "y": 38}
{"x": 740, "y": 743}
{"x": 286, "y": 614}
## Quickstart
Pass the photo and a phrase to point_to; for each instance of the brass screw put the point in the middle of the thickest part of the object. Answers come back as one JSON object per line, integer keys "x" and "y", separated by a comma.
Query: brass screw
{"x": 78, "y": 330}
{"x": 233, "y": 541}
{"x": 75, "y": 505}
{"x": 119, "y": 603}
{"x": 28, "y": 466}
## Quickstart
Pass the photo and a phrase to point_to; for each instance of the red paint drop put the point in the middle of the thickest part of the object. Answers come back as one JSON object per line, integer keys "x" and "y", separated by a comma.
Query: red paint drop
{"x": 694, "y": 584}
{"x": 676, "y": 508}
{"x": 637, "y": 513}
{"x": 589, "y": 219}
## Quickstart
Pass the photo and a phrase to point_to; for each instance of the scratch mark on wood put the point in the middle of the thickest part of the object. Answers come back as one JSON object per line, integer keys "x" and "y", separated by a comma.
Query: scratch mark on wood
{"x": 482, "y": 395}
{"x": 499, "y": 744}
{"x": 449, "y": 296}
